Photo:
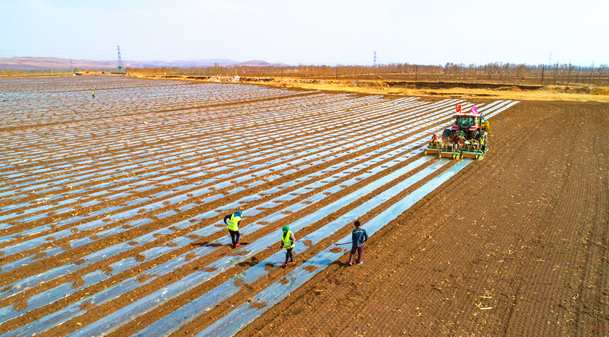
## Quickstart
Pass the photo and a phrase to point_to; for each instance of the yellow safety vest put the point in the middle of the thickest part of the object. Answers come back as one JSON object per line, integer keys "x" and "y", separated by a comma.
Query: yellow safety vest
{"x": 233, "y": 223}
{"x": 287, "y": 241}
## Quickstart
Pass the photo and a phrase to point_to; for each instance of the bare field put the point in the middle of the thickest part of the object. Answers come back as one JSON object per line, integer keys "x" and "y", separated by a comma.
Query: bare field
{"x": 549, "y": 93}
{"x": 111, "y": 213}
{"x": 384, "y": 87}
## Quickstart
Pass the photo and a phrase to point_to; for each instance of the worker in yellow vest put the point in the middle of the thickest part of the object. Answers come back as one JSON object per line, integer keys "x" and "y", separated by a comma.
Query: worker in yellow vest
{"x": 233, "y": 227}
{"x": 93, "y": 94}
{"x": 288, "y": 240}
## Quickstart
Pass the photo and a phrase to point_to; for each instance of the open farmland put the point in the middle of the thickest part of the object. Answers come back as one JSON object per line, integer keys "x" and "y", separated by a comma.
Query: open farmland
{"x": 111, "y": 213}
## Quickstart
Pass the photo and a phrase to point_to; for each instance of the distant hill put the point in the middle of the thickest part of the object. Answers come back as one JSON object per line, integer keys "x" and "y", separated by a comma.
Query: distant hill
{"x": 53, "y": 63}
{"x": 185, "y": 64}
{"x": 259, "y": 63}
{"x": 46, "y": 63}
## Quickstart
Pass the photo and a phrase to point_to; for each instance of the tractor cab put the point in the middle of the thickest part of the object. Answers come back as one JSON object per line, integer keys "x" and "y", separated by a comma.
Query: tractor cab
{"x": 466, "y": 122}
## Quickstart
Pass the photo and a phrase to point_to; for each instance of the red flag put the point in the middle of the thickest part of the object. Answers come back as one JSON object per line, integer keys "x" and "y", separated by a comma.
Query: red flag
{"x": 458, "y": 107}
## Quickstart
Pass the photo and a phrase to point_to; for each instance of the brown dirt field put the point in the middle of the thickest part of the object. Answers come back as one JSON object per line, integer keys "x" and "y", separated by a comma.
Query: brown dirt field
{"x": 514, "y": 246}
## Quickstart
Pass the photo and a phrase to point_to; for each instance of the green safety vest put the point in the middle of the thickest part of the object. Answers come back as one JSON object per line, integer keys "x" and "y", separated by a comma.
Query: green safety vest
{"x": 287, "y": 241}
{"x": 233, "y": 223}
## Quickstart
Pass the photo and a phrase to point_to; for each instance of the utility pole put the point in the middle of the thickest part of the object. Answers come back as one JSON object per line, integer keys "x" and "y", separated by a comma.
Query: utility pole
{"x": 374, "y": 64}
{"x": 71, "y": 67}
{"x": 120, "y": 60}
{"x": 550, "y": 61}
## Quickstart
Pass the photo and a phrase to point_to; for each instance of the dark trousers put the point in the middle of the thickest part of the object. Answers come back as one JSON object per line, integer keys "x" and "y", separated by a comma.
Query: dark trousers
{"x": 360, "y": 253}
{"x": 234, "y": 236}
{"x": 288, "y": 255}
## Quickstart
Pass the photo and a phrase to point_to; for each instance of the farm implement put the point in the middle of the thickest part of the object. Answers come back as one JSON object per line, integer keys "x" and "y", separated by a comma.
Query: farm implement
{"x": 467, "y": 138}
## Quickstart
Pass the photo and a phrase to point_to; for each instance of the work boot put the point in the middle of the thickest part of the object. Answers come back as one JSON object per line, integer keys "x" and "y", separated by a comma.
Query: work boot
{"x": 285, "y": 266}
{"x": 237, "y": 245}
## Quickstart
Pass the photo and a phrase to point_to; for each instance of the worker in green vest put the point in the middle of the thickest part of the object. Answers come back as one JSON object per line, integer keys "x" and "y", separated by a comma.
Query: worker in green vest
{"x": 233, "y": 227}
{"x": 288, "y": 240}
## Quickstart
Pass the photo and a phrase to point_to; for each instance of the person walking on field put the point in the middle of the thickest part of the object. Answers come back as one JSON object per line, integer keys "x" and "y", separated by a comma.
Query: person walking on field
{"x": 93, "y": 94}
{"x": 358, "y": 237}
{"x": 233, "y": 227}
{"x": 288, "y": 240}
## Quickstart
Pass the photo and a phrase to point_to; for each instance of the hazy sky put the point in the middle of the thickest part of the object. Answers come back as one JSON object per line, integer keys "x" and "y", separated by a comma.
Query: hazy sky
{"x": 310, "y": 32}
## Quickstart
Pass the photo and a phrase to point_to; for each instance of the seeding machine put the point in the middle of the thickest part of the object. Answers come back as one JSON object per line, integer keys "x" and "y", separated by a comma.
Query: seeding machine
{"x": 467, "y": 138}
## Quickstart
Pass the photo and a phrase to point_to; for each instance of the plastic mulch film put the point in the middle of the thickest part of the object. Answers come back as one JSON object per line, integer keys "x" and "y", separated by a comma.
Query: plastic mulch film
{"x": 173, "y": 200}
{"x": 124, "y": 315}
{"x": 193, "y": 279}
{"x": 246, "y": 313}
{"x": 132, "y": 261}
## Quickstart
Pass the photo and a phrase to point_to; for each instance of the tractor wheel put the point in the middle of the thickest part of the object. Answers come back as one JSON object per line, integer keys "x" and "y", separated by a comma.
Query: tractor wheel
{"x": 446, "y": 135}
{"x": 473, "y": 134}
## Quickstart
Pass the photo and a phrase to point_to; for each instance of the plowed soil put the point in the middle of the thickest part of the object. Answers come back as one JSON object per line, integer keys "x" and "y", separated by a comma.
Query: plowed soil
{"x": 101, "y": 192}
{"x": 514, "y": 246}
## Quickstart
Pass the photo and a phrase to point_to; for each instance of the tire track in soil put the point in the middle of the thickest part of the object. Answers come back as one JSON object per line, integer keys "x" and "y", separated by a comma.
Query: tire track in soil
{"x": 498, "y": 257}
{"x": 591, "y": 316}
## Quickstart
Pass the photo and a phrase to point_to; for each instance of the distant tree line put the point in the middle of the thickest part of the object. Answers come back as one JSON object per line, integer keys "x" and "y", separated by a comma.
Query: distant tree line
{"x": 509, "y": 73}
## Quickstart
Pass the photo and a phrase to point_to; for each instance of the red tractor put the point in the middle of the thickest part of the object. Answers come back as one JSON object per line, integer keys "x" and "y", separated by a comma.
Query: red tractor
{"x": 467, "y": 138}
{"x": 473, "y": 125}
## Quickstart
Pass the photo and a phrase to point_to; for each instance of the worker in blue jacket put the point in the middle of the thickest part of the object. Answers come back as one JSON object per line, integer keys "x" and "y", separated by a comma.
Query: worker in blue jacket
{"x": 358, "y": 237}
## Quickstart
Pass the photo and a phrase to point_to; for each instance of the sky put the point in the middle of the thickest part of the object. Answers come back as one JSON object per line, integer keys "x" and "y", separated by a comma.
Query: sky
{"x": 310, "y": 32}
